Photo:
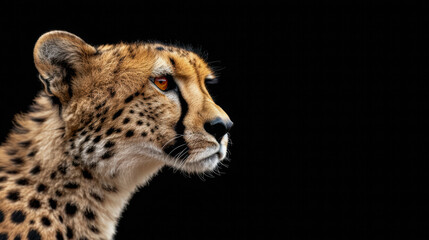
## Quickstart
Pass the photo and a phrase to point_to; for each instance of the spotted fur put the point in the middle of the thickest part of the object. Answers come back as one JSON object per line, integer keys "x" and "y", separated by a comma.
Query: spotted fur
{"x": 100, "y": 129}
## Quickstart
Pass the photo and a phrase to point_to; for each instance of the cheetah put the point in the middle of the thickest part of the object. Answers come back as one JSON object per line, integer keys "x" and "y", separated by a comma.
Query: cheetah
{"x": 107, "y": 120}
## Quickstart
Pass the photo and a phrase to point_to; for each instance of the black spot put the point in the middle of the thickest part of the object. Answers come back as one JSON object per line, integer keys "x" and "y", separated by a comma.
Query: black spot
{"x": 52, "y": 203}
{"x": 13, "y": 196}
{"x": 97, "y": 197}
{"x": 46, "y": 222}
{"x": 144, "y": 134}
{"x": 96, "y": 139}
{"x": 131, "y": 111}
{"x": 86, "y": 139}
{"x": 71, "y": 185}
{"x": 70, "y": 209}
{"x": 117, "y": 114}
{"x": 37, "y": 119}
{"x": 34, "y": 203}
{"x": 98, "y": 129}
{"x": 129, "y": 99}
{"x": 141, "y": 114}
{"x": 3, "y": 236}
{"x": 62, "y": 169}
{"x": 31, "y": 222}
{"x": 17, "y": 161}
{"x": 159, "y": 48}
{"x": 129, "y": 133}
{"x": 69, "y": 233}
{"x": 110, "y": 131}
{"x": 126, "y": 120}
{"x": 33, "y": 235}
{"x": 83, "y": 238}
{"x": 90, "y": 149}
{"x": 109, "y": 144}
{"x": 41, "y": 187}
{"x": 107, "y": 155}
{"x": 86, "y": 174}
{"x": 110, "y": 188}
{"x": 59, "y": 235}
{"x": 53, "y": 175}
{"x": 89, "y": 214}
{"x": 58, "y": 193}
{"x": 1, "y": 216}
{"x": 83, "y": 133}
{"x": 32, "y": 153}
{"x": 24, "y": 144}
{"x": 60, "y": 218}
{"x": 11, "y": 152}
{"x": 3, "y": 179}
{"x": 100, "y": 105}
{"x": 172, "y": 62}
{"x": 17, "y": 237}
{"x": 112, "y": 92}
{"x": 139, "y": 122}
{"x": 94, "y": 229}
{"x": 35, "y": 170}
{"x": 13, "y": 172}
{"x": 17, "y": 216}
{"x": 22, "y": 181}
{"x": 106, "y": 110}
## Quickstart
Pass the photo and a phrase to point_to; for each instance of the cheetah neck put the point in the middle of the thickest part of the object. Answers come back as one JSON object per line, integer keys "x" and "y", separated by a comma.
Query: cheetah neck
{"x": 83, "y": 201}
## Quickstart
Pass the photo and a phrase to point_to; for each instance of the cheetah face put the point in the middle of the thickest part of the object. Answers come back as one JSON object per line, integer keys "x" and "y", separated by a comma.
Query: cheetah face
{"x": 129, "y": 104}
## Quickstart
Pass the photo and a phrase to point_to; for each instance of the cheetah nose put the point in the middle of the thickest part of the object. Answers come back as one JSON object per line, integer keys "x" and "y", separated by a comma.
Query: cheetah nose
{"x": 218, "y": 127}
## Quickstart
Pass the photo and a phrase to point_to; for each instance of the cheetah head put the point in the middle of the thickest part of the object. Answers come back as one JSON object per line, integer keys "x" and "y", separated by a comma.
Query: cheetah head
{"x": 126, "y": 105}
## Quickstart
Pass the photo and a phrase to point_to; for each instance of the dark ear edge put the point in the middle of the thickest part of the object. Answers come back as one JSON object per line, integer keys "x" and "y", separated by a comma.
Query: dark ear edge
{"x": 58, "y": 56}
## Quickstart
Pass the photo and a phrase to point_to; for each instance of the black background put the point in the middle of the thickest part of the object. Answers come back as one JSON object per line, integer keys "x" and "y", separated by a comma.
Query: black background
{"x": 327, "y": 100}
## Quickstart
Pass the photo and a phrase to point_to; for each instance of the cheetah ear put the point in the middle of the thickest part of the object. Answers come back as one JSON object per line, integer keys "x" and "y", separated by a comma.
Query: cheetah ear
{"x": 59, "y": 56}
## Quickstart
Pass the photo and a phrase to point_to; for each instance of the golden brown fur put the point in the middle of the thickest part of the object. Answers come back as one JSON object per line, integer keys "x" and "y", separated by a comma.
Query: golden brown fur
{"x": 100, "y": 129}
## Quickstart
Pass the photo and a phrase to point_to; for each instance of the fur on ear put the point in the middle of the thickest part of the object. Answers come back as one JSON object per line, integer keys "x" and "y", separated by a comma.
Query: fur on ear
{"x": 59, "y": 56}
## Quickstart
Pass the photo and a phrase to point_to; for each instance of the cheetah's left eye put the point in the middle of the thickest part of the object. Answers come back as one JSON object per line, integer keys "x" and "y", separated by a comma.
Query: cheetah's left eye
{"x": 164, "y": 83}
{"x": 161, "y": 83}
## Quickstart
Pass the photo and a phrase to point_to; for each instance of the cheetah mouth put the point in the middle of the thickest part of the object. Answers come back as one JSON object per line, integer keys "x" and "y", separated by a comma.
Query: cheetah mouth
{"x": 197, "y": 160}
{"x": 205, "y": 160}
{"x": 203, "y": 164}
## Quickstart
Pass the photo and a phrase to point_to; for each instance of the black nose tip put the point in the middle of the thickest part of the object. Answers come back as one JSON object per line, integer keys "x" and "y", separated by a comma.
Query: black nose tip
{"x": 218, "y": 127}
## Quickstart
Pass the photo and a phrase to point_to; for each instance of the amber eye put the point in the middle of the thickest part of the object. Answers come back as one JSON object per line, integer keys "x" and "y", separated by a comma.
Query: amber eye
{"x": 164, "y": 83}
{"x": 161, "y": 83}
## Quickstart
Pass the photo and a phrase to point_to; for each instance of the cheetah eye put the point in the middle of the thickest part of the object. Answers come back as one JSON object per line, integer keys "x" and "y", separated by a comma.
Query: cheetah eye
{"x": 164, "y": 83}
